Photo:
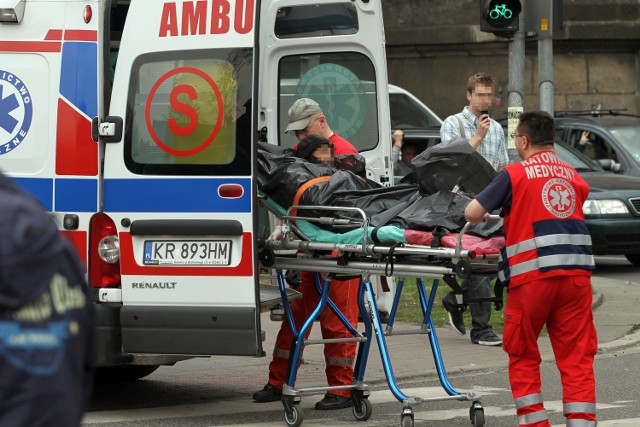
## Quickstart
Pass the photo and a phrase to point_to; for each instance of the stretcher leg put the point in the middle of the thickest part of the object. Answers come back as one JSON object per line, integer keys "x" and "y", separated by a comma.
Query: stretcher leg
{"x": 362, "y": 408}
{"x": 476, "y": 412}
{"x": 333, "y": 307}
{"x": 291, "y": 396}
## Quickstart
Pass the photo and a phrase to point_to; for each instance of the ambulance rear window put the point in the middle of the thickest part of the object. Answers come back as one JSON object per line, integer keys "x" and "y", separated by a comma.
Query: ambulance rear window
{"x": 190, "y": 115}
{"x": 317, "y": 20}
{"x": 343, "y": 83}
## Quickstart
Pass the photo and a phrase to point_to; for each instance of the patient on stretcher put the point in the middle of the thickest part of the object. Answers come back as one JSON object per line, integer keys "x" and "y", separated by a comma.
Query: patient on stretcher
{"x": 427, "y": 205}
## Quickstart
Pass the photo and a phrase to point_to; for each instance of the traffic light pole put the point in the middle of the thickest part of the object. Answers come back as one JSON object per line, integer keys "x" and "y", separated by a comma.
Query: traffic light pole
{"x": 545, "y": 73}
{"x": 516, "y": 85}
{"x": 543, "y": 18}
{"x": 516, "y": 69}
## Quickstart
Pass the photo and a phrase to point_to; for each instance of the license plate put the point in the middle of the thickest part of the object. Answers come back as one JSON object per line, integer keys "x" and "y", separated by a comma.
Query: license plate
{"x": 187, "y": 252}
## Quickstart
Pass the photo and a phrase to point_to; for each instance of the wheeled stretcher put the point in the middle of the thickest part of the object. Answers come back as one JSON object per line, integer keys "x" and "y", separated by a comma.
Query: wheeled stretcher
{"x": 365, "y": 251}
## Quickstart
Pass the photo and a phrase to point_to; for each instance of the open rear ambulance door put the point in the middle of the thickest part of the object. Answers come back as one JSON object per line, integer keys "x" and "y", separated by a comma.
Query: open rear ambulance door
{"x": 178, "y": 187}
{"x": 333, "y": 52}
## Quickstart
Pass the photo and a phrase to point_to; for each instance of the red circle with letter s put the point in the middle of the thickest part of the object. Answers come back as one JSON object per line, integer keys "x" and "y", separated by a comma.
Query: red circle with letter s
{"x": 185, "y": 110}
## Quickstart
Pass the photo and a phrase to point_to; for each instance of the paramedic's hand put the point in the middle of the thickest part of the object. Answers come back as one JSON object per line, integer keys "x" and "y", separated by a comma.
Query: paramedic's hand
{"x": 475, "y": 212}
{"x": 277, "y": 233}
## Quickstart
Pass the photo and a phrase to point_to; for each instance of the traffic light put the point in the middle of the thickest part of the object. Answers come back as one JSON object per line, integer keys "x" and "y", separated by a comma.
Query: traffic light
{"x": 499, "y": 17}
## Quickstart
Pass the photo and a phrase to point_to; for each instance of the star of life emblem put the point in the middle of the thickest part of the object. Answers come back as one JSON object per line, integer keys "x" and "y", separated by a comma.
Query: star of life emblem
{"x": 16, "y": 111}
{"x": 559, "y": 197}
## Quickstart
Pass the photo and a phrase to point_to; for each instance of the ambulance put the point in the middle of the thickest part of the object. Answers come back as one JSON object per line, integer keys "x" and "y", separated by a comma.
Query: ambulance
{"x": 135, "y": 124}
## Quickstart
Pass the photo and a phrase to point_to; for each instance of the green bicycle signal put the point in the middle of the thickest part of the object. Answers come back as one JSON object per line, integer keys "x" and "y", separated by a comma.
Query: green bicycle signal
{"x": 500, "y": 16}
{"x": 500, "y": 11}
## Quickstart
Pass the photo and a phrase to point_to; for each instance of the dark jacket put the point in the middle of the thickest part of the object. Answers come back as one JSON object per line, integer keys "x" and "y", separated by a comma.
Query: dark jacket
{"x": 46, "y": 318}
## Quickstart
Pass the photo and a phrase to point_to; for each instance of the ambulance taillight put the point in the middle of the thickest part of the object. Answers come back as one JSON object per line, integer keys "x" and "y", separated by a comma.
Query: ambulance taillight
{"x": 104, "y": 252}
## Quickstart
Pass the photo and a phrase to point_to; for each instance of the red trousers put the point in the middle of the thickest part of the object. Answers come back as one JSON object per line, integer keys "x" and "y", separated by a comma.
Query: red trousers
{"x": 564, "y": 305}
{"x": 339, "y": 357}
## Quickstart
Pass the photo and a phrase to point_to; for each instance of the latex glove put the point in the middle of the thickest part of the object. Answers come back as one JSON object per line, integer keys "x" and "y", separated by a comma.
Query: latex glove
{"x": 277, "y": 233}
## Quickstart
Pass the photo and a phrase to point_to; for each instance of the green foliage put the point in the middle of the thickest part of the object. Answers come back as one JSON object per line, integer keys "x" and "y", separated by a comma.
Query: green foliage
{"x": 409, "y": 308}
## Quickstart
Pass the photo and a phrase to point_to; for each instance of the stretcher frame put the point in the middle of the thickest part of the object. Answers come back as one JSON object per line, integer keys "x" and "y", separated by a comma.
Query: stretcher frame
{"x": 340, "y": 259}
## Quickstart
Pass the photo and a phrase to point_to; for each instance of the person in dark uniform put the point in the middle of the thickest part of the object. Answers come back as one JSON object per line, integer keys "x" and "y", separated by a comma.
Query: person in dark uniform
{"x": 46, "y": 319}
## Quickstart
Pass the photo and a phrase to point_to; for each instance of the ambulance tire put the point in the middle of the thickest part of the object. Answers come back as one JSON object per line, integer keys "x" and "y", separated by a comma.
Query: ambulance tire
{"x": 633, "y": 258}
{"x": 123, "y": 373}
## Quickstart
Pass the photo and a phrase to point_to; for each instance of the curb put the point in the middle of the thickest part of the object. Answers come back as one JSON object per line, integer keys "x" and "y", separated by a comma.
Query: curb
{"x": 598, "y": 299}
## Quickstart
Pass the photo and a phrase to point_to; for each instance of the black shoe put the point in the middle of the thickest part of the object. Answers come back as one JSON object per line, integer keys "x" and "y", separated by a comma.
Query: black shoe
{"x": 333, "y": 401}
{"x": 268, "y": 394}
{"x": 455, "y": 318}
{"x": 487, "y": 338}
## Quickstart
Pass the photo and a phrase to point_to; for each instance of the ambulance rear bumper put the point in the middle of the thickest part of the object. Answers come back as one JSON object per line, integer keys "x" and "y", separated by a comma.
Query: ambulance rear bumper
{"x": 195, "y": 331}
{"x": 109, "y": 336}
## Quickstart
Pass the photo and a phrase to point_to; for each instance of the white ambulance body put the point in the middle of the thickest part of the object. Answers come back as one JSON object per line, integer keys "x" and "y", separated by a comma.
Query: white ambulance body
{"x": 135, "y": 123}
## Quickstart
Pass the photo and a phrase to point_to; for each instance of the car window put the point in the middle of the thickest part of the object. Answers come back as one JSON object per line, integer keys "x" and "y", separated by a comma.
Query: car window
{"x": 575, "y": 158}
{"x": 591, "y": 144}
{"x": 407, "y": 114}
{"x": 629, "y": 138}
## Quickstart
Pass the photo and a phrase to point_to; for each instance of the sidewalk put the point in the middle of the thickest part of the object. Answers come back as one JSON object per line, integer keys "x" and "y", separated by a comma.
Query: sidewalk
{"x": 616, "y": 317}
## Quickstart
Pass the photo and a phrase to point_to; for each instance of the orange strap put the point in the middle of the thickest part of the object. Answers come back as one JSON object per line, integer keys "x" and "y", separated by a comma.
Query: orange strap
{"x": 303, "y": 188}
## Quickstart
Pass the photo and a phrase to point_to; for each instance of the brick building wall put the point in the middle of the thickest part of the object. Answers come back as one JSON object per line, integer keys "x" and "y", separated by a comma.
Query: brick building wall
{"x": 434, "y": 46}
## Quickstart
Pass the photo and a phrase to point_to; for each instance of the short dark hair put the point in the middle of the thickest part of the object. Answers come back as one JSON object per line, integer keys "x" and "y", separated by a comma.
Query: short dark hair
{"x": 538, "y": 126}
{"x": 479, "y": 78}
{"x": 408, "y": 144}
{"x": 309, "y": 144}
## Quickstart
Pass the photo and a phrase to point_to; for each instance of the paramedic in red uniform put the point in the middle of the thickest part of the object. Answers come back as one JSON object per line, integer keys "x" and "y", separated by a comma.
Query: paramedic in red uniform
{"x": 547, "y": 263}
{"x": 306, "y": 118}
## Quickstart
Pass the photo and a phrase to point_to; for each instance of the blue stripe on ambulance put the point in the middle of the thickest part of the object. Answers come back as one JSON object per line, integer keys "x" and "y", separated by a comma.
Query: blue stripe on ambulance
{"x": 40, "y": 188}
{"x": 77, "y": 80}
{"x": 71, "y": 194}
{"x": 76, "y": 195}
{"x": 174, "y": 195}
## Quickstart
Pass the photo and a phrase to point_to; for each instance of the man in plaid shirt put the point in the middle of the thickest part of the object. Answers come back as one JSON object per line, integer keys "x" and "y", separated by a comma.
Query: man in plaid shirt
{"x": 487, "y": 137}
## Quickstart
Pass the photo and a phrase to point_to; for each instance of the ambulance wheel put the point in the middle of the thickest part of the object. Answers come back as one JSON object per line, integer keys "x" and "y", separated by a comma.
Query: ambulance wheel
{"x": 363, "y": 411}
{"x": 295, "y": 418}
{"x": 123, "y": 373}
{"x": 476, "y": 413}
{"x": 633, "y": 258}
{"x": 406, "y": 419}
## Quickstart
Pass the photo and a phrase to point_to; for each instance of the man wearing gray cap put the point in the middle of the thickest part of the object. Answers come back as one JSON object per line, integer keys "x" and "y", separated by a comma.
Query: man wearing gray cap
{"x": 306, "y": 118}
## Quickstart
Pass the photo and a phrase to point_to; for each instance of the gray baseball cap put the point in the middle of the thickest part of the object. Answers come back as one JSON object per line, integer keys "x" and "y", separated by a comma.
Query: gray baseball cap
{"x": 301, "y": 112}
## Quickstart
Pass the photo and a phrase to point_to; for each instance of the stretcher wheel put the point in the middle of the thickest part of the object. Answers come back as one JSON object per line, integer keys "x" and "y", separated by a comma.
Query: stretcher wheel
{"x": 406, "y": 419}
{"x": 363, "y": 411}
{"x": 267, "y": 257}
{"x": 476, "y": 413}
{"x": 463, "y": 269}
{"x": 295, "y": 418}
